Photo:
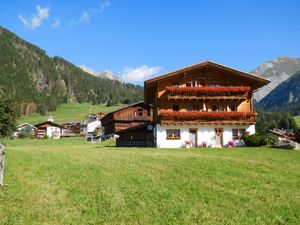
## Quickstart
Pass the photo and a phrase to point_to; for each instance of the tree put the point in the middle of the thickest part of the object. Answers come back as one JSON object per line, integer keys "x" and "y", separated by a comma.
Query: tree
{"x": 9, "y": 113}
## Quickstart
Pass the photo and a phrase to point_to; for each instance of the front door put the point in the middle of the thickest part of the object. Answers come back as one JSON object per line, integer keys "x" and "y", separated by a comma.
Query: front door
{"x": 219, "y": 136}
{"x": 193, "y": 137}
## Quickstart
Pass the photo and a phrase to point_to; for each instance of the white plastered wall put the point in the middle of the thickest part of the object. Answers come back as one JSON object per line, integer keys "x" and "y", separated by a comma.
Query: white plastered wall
{"x": 205, "y": 134}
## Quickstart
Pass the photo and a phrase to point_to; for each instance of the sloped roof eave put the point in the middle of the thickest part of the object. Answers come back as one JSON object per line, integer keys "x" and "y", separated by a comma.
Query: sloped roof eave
{"x": 208, "y": 63}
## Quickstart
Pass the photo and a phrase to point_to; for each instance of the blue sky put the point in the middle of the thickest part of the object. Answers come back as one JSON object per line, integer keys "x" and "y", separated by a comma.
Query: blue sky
{"x": 137, "y": 39}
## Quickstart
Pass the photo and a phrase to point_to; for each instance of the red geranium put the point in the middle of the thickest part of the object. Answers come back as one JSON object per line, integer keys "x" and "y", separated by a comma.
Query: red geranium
{"x": 206, "y": 116}
{"x": 208, "y": 90}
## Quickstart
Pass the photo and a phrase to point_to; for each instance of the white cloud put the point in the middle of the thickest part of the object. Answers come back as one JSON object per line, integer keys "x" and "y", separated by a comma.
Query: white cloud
{"x": 36, "y": 19}
{"x": 85, "y": 17}
{"x": 55, "y": 23}
{"x": 88, "y": 14}
{"x": 138, "y": 74}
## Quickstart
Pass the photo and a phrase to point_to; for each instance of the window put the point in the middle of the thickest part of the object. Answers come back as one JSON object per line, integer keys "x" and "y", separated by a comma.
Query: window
{"x": 175, "y": 84}
{"x": 140, "y": 111}
{"x": 175, "y": 107}
{"x": 189, "y": 84}
{"x": 189, "y": 108}
{"x": 214, "y": 108}
{"x": 173, "y": 134}
{"x": 238, "y": 134}
{"x": 214, "y": 85}
{"x": 193, "y": 108}
{"x": 232, "y": 108}
{"x": 196, "y": 107}
{"x": 221, "y": 108}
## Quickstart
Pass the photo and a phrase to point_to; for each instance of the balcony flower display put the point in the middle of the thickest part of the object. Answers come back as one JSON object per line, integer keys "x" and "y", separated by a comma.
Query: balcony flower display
{"x": 219, "y": 90}
{"x": 206, "y": 116}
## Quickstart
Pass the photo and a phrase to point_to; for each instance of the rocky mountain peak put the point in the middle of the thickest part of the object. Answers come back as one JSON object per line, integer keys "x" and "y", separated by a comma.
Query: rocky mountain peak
{"x": 277, "y": 71}
{"x": 104, "y": 74}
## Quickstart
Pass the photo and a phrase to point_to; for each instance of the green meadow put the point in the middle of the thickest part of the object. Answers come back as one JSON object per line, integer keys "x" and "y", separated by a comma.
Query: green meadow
{"x": 297, "y": 119}
{"x": 70, "y": 181}
{"x": 71, "y": 112}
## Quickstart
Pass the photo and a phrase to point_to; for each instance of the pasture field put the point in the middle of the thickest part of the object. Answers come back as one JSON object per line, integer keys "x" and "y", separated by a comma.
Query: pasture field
{"x": 70, "y": 181}
{"x": 71, "y": 112}
{"x": 297, "y": 119}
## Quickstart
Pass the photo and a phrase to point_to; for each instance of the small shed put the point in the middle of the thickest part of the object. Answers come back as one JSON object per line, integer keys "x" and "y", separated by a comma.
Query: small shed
{"x": 138, "y": 136}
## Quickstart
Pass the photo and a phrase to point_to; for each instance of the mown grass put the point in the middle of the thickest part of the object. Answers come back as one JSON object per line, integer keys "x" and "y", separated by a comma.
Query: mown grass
{"x": 71, "y": 112}
{"x": 297, "y": 119}
{"x": 74, "y": 182}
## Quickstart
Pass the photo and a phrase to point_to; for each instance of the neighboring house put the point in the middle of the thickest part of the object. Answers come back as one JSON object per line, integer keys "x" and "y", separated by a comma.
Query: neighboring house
{"x": 92, "y": 126}
{"x": 140, "y": 136}
{"x": 205, "y": 104}
{"x": 288, "y": 134}
{"x": 127, "y": 117}
{"x": 72, "y": 127}
{"x": 26, "y": 128}
{"x": 49, "y": 128}
{"x": 100, "y": 115}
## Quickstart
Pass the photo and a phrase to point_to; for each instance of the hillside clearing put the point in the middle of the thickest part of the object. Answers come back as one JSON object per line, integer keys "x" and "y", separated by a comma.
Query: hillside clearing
{"x": 70, "y": 181}
{"x": 297, "y": 119}
{"x": 71, "y": 112}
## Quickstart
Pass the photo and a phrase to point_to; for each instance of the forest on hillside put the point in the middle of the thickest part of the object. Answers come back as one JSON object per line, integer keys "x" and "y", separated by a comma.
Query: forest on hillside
{"x": 39, "y": 83}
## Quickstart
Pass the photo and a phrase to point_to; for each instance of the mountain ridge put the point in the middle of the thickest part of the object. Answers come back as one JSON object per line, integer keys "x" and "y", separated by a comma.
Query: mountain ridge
{"x": 107, "y": 74}
{"x": 39, "y": 83}
{"x": 285, "y": 97}
{"x": 277, "y": 70}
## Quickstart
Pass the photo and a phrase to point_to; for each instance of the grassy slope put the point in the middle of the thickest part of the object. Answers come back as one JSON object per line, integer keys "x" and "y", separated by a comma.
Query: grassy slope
{"x": 69, "y": 113}
{"x": 74, "y": 182}
{"x": 297, "y": 119}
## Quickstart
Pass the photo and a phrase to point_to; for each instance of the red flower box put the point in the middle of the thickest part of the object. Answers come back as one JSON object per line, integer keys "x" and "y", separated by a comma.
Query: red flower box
{"x": 208, "y": 90}
{"x": 206, "y": 116}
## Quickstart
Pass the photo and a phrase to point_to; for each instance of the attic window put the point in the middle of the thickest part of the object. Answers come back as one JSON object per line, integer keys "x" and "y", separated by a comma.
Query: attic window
{"x": 140, "y": 111}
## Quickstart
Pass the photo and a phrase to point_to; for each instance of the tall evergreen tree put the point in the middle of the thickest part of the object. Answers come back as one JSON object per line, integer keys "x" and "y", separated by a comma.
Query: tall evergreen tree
{"x": 8, "y": 116}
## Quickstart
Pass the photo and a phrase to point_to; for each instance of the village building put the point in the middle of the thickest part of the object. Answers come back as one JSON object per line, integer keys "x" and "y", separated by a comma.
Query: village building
{"x": 127, "y": 117}
{"x": 72, "y": 127}
{"x": 206, "y": 104}
{"x": 25, "y": 128}
{"x": 49, "y": 129}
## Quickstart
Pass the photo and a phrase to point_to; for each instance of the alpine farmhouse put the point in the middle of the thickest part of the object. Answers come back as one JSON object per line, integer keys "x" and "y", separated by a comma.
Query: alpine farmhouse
{"x": 206, "y": 104}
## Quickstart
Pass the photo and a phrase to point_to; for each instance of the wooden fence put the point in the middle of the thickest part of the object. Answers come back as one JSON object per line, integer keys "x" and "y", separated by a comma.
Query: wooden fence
{"x": 2, "y": 159}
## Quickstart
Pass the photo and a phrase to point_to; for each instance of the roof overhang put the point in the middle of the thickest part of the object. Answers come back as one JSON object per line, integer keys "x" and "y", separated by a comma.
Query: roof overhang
{"x": 260, "y": 82}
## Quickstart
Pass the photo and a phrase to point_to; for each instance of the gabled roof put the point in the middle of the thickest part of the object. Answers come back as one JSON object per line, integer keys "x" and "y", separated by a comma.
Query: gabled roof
{"x": 209, "y": 64}
{"x": 128, "y": 106}
{"x": 50, "y": 123}
{"x": 26, "y": 124}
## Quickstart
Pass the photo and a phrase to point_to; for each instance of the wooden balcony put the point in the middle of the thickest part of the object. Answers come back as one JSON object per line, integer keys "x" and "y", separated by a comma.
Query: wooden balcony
{"x": 198, "y": 117}
{"x": 208, "y": 93}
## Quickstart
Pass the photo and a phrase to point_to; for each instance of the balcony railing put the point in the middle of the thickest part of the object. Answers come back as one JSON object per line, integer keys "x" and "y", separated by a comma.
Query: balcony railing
{"x": 219, "y": 92}
{"x": 207, "y": 117}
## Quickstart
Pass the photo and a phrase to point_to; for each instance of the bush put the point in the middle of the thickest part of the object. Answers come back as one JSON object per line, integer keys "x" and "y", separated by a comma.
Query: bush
{"x": 25, "y": 134}
{"x": 255, "y": 140}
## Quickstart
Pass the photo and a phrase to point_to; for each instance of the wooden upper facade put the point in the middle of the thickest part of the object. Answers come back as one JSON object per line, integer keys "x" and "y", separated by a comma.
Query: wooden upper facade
{"x": 203, "y": 93}
{"x": 129, "y": 116}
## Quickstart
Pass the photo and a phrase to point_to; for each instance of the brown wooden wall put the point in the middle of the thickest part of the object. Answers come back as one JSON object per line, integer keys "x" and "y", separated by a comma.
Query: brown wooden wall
{"x": 208, "y": 76}
{"x": 127, "y": 117}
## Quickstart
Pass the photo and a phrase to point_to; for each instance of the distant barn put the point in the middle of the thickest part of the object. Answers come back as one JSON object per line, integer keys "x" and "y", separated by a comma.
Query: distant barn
{"x": 127, "y": 117}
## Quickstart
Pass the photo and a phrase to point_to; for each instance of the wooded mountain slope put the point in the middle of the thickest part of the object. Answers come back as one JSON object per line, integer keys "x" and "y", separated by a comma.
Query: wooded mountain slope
{"x": 285, "y": 97}
{"x": 40, "y": 83}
